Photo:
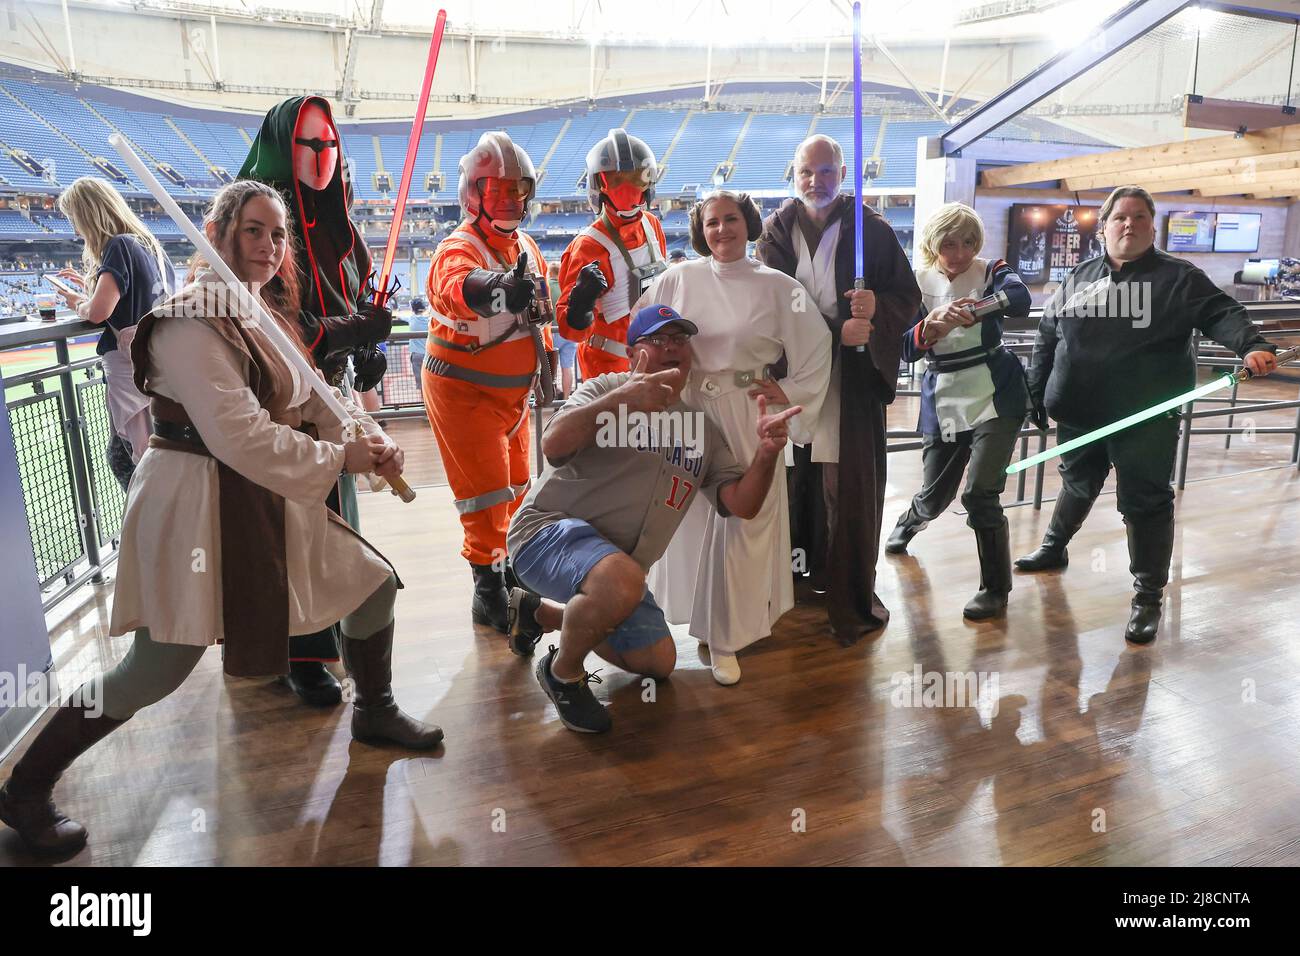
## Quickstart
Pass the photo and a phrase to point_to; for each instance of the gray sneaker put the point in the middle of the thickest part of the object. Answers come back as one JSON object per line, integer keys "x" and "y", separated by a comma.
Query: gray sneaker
{"x": 577, "y": 705}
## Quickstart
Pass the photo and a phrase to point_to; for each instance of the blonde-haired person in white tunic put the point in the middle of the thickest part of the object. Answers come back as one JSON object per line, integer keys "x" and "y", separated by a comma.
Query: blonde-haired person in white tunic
{"x": 226, "y": 536}
{"x": 731, "y": 578}
{"x": 973, "y": 395}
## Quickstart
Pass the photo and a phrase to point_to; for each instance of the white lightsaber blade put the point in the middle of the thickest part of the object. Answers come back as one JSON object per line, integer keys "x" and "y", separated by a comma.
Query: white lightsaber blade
{"x": 250, "y": 302}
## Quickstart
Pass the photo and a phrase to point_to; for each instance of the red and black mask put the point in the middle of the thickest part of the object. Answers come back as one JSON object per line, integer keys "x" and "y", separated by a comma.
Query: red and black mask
{"x": 315, "y": 147}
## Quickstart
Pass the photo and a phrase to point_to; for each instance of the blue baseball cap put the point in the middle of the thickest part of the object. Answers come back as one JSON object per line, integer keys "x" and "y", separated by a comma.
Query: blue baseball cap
{"x": 652, "y": 318}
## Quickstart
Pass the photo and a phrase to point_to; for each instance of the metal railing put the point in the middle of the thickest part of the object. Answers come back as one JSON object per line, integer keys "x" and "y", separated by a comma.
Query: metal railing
{"x": 74, "y": 504}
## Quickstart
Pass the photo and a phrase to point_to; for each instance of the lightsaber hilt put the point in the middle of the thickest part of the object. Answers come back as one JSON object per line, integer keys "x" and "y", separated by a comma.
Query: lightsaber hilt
{"x": 989, "y": 305}
{"x": 249, "y": 302}
{"x": 1244, "y": 374}
{"x": 859, "y": 283}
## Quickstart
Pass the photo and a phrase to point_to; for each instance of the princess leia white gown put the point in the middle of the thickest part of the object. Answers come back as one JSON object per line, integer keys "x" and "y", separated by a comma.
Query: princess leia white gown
{"x": 730, "y": 578}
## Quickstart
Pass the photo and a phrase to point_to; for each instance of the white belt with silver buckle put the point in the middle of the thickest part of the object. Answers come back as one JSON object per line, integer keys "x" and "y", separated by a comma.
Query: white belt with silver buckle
{"x": 715, "y": 383}
{"x": 606, "y": 344}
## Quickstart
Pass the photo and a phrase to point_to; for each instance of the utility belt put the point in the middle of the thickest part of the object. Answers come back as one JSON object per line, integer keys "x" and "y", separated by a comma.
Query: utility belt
{"x": 959, "y": 361}
{"x": 496, "y": 330}
{"x": 171, "y": 433}
{"x": 715, "y": 384}
{"x": 542, "y": 383}
{"x": 476, "y": 376}
{"x": 607, "y": 344}
{"x": 177, "y": 433}
{"x": 490, "y": 331}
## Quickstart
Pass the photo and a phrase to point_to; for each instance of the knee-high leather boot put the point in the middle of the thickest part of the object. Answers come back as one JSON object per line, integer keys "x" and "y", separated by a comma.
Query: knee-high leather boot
{"x": 375, "y": 714}
{"x": 26, "y": 799}
{"x": 1067, "y": 518}
{"x": 1150, "y": 548}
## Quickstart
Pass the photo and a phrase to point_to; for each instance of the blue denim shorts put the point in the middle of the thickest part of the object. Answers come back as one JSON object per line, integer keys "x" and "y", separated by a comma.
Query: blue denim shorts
{"x": 556, "y": 560}
{"x": 568, "y": 351}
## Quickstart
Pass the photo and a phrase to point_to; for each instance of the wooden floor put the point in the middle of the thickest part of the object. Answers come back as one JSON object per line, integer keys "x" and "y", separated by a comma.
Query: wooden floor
{"x": 1082, "y": 751}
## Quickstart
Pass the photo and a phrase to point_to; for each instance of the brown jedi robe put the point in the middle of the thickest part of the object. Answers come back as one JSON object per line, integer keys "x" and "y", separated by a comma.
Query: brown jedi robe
{"x": 868, "y": 379}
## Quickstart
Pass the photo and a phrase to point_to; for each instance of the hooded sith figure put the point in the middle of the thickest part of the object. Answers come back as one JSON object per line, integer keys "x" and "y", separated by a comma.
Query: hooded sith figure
{"x": 299, "y": 152}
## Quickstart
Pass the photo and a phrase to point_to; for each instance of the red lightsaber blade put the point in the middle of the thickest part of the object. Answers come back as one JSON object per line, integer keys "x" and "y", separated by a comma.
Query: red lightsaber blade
{"x": 408, "y": 167}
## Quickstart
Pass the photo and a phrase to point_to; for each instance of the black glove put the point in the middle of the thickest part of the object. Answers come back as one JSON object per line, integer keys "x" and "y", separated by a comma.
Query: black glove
{"x": 370, "y": 364}
{"x": 343, "y": 333}
{"x": 1038, "y": 415}
{"x": 586, "y": 289}
{"x": 480, "y": 289}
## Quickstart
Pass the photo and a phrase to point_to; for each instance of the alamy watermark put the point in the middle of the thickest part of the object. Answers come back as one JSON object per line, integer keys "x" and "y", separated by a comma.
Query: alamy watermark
{"x": 21, "y": 688}
{"x": 212, "y": 298}
{"x": 1103, "y": 299}
{"x": 667, "y": 431}
{"x": 978, "y": 689}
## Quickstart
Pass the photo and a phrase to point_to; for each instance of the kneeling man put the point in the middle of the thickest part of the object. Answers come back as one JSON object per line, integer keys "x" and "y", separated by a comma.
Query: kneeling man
{"x": 624, "y": 458}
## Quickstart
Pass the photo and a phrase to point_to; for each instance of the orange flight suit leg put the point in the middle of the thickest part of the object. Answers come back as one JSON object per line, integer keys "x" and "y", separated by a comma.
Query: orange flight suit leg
{"x": 521, "y": 458}
{"x": 471, "y": 424}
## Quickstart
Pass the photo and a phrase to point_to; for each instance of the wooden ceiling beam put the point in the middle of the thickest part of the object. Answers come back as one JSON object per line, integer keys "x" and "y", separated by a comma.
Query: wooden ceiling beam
{"x": 1279, "y": 192}
{"x": 1283, "y": 139}
{"x": 1239, "y": 186}
{"x": 1183, "y": 172}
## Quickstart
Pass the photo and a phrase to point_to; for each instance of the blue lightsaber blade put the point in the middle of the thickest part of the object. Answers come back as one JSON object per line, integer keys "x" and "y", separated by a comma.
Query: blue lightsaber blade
{"x": 859, "y": 250}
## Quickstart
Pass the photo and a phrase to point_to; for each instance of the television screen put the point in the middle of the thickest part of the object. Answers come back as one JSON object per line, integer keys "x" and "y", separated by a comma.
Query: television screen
{"x": 1190, "y": 232}
{"x": 1045, "y": 242}
{"x": 1237, "y": 232}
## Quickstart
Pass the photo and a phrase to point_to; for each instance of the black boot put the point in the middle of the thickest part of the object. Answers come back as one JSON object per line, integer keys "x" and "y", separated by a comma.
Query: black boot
{"x": 490, "y": 598}
{"x": 994, "y": 547}
{"x": 903, "y": 533}
{"x": 26, "y": 800}
{"x": 525, "y": 631}
{"x": 1067, "y": 518}
{"x": 1150, "y": 548}
{"x": 312, "y": 681}
{"x": 375, "y": 715}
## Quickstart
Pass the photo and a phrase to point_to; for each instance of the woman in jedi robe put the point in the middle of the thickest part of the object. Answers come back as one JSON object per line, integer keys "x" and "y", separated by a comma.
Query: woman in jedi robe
{"x": 731, "y": 578}
{"x": 237, "y": 432}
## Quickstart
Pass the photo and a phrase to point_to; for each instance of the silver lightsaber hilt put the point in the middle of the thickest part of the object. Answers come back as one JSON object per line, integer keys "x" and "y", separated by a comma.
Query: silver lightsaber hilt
{"x": 1244, "y": 374}
{"x": 859, "y": 283}
{"x": 997, "y": 302}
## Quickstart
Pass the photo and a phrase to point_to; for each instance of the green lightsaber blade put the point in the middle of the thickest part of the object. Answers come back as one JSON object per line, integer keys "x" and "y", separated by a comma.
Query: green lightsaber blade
{"x": 1223, "y": 381}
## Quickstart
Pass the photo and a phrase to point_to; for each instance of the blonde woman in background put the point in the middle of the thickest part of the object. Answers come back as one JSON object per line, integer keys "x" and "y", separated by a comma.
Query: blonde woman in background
{"x": 124, "y": 275}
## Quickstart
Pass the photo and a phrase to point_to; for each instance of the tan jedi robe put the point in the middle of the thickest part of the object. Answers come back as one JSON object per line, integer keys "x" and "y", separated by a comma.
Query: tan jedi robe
{"x": 170, "y": 566}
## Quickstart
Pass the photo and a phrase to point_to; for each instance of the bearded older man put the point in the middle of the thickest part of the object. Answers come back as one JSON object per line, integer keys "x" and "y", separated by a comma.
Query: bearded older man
{"x": 837, "y": 491}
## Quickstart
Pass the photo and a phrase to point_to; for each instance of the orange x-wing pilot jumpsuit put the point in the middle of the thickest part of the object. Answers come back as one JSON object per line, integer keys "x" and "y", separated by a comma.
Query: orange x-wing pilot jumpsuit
{"x": 603, "y": 347}
{"x": 475, "y": 394}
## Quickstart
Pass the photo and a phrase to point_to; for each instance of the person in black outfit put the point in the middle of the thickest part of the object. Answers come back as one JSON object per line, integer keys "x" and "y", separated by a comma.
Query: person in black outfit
{"x": 297, "y": 151}
{"x": 1115, "y": 338}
